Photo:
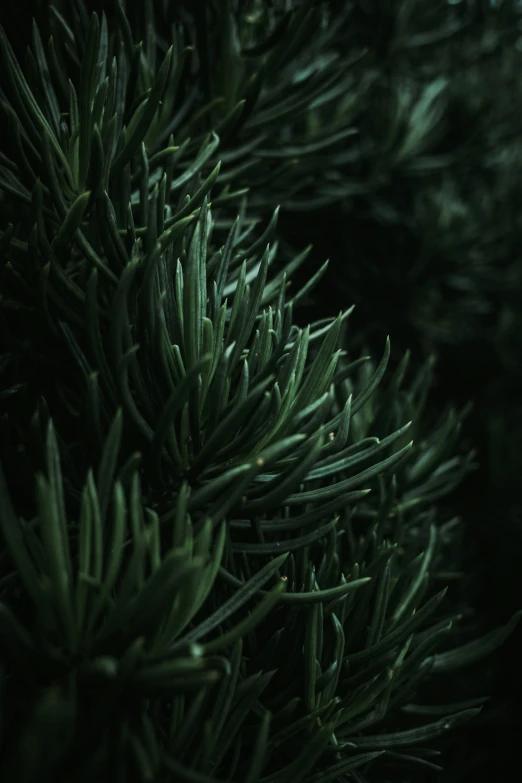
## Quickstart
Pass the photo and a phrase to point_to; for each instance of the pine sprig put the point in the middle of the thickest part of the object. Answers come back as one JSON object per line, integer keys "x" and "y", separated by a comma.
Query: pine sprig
{"x": 228, "y": 568}
{"x": 137, "y": 618}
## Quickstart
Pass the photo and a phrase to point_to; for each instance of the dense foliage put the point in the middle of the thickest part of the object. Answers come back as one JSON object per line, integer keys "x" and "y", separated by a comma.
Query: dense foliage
{"x": 222, "y": 551}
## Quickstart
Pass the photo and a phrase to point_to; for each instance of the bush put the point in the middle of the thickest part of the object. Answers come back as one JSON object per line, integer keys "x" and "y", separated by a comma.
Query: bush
{"x": 222, "y": 556}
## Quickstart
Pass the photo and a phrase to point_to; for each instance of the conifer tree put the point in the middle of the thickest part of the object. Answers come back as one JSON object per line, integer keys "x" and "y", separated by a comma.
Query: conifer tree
{"x": 222, "y": 553}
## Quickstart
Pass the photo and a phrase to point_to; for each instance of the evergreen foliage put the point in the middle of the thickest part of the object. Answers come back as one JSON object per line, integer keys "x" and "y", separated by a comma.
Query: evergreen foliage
{"x": 222, "y": 555}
